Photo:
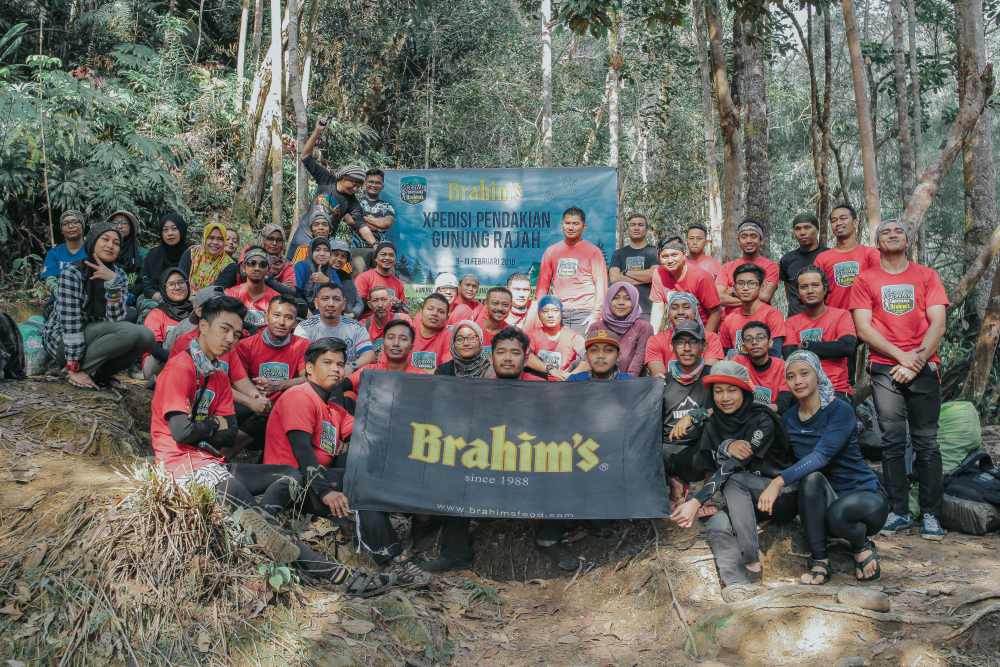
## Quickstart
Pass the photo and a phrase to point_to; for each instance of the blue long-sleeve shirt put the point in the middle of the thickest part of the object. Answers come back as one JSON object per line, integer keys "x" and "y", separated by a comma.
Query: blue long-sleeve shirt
{"x": 828, "y": 442}
{"x": 58, "y": 258}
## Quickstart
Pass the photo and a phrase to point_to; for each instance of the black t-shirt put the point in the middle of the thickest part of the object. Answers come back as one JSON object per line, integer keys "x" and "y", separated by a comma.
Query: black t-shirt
{"x": 788, "y": 270}
{"x": 627, "y": 257}
{"x": 679, "y": 400}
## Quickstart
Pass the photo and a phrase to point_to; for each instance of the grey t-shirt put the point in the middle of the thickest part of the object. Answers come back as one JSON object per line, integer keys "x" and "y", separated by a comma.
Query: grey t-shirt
{"x": 347, "y": 330}
{"x": 626, "y": 258}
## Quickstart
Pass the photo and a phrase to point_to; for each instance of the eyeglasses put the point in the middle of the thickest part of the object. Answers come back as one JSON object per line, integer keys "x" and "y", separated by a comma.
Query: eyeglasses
{"x": 466, "y": 339}
{"x": 755, "y": 339}
{"x": 747, "y": 283}
{"x": 257, "y": 265}
{"x": 176, "y": 284}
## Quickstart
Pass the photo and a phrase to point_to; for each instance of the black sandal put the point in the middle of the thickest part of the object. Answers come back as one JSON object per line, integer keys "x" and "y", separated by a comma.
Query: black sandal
{"x": 363, "y": 584}
{"x": 817, "y": 568}
{"x": 859, "y": 566}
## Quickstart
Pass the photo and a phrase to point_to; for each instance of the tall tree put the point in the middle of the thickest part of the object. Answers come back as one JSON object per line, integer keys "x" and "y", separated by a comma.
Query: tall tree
{"x": 712, "y": 193}
{"x": 546, "y": 83}
{"x": 906, "y": 159}
{"x": 753, "y": 95}
{"x": 277, "y": 77}
{"x": 298, "y": 106}
{"x": 241, "y": 55}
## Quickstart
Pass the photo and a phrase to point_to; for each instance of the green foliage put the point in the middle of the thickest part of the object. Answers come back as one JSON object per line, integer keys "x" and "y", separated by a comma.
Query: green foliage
{"x": 279, "y": 577}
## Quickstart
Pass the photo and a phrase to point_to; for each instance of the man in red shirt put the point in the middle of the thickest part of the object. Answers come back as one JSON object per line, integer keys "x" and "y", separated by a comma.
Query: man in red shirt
{"x": 826, "y": 332}
{"x": 396, "y": 349}
{"x": 697, "y": 239}
{"x": 493, "y": 317}
{"x": 380, "y": 307}
{"x": 468, "y": 289}
{"x": 446, "y": 284}
{"x": 844, "y": 262}
{"x": 383, "y": 274}
{"x": 681, "y": 307}
{"x": 766, "y": 371}
{"x": 523, "y": 309}
{"x": 748, "y": 281}
{"x": 750, "y": 235}
{"x": 254, "y": 292}
{"x": 676, "y": 274}
{"x": 899, "y": 309}
{"x": 574, "y": 270}
{"x": 432, "y": 346}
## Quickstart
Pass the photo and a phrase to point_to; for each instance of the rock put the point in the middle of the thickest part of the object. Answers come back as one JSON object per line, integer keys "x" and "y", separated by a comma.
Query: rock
{"x": 915, "y": 654}
{"x": 854, "y": 596}
{"x": 851, "y": 661}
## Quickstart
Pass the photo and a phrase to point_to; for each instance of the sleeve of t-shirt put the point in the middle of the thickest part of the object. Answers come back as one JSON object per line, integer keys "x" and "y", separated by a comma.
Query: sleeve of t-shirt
{"x": 725, "y": 334}
{"x": 792, "y": 332}
{"x": 243, "y": 355}
{"x": 936, "y": 296}
{"x": 844, "y": 326}
{"x": 50, "y": 269}
{"x": 618, "y": 261}
{"x": 771, "y": 273}
{"x": 708, "y": 296}
{"x": 363, "y": 284}
{"x": 361, "y": 342}
{"x": 783, "y": 270}
{"x": 714, "y": 350}
{"x": 658, "y": 291}
{"x": 356, "y": 213}
{"x": 599, "y": 269}
{"x": 722, "y": 280}
{"x": 298, "y": 416}
{"x": 655, "y": 350}
{"x": 317, "y": 171}
{"x": 236, "y": 370}
{"x": 777, "y": 323}
{"x": 178, "y": 389}
{"x": 861, "y": 294}
{"x": 544, "y": 275}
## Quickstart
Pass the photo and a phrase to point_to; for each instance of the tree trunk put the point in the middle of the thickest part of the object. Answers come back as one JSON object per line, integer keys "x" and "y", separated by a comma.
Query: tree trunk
{"x": 277, "y": 74}
{"x": 986, "y": 345}
{"x": 241, "y": 56}
{"x": 872, "y": 205}
{"x": 258, "y": 27}
{"x": 823, "y": 181}
{"x": 708, "y": 126}
{"x": 982, "y": 261}
{"x": 298, "y": 105}
{"x": 978, "y": 169}
{"x": 729, "y": 124}
{"x": 197, "y": 45}
{"x": 615, "y": 62}
{"x": 906, "y": 160}
{"x": 918, "y": 122}
{"x": 754, "y": 97}
{"x": 546, "y": 83}
{"x": 598, "y": 115}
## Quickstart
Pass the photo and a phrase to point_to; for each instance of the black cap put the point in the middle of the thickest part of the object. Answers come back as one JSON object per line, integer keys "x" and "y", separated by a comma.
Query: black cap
{"x": 690, "y": 327}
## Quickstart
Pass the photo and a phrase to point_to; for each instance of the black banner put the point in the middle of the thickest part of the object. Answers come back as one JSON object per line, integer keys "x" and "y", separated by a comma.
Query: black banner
{"x": 507, "y": 448}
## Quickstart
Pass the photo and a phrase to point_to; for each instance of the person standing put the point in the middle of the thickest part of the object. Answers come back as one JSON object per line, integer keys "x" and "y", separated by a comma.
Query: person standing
{"x": 844, "y": 262}
{"x": 574, "y": 271}
{"x": 523, "y": 309}
{"x": 750, "y": 235}
{"x": 697, "y": 239}
{"x": 329, "y": 322}
{"x": 636, "y": 261}
{"x": 70, "y": 251}
{"x": 377, "y": 217}
{"x": 899, "y": 310}
{"x": 805, "y": 230}
{"x": 675, "y": 274}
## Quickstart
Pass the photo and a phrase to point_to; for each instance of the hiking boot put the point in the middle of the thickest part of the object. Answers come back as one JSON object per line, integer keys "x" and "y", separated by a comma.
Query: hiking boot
{"x": 278, "y": 546}
{"x": 446, "y": 564}
{"x": 930, "y": 528}
{"x": 561, "y": 555}
{"x": 408, "y": 573}
{"x": 895, "y": 523}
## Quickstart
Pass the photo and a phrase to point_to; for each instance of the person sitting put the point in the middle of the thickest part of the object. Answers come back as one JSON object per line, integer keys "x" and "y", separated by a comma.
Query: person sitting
{"x": 747, "y": 281}
{"x": 468, "y": 292}
{"x": 166, "y": 255}
{"x": 523, "y": 309}
{"x": 396, "y": 348}
{"x": 272, "y": 239}
{"x": 675, "y": 274}
{"x": 602, "y": 348}
{"x": 330, "y": 322}
{"x": 767, "y": 372}
{"x": 133, "y": 254}
{"x": 319, "y": 228}
{"x": 253, "y": 292}
{"x": 203, "y": 263}
{"x": 70, "y": 251}
{"x": 432, "y": 346}
{"x": 340, "y": 256}
{"x": 233, "y": 243}
{"x": 446, "y": 284}
{"x": 493, "y": 314}
{"x": 825, "y": 331}
{"x": 174, "y": 307}
{"x": 378, "y": 216}
{"x": 379, "y": 316}
{"x": 315, "y": 270}
{"x": 469, "y": 357}
{"x": 742, "y": 436}
{"x": 186, "y": 326}
{"x": 85, "y": 333}
{"x": 839, "y": 495}
{"x": 622, "y": 315}
{"x": 556, "y": 350}
{"x": 383, "y": 274}
{"x": 681, "y": 306}
{"x": 192, "y": 421}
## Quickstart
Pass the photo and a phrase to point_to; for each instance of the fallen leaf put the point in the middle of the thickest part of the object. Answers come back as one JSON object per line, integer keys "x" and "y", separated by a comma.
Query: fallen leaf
{"x": 204, "y": 641}
{"x": 35, "y": 556}
{"x": 12, "y": 611}
{"x": 358, "y": 626}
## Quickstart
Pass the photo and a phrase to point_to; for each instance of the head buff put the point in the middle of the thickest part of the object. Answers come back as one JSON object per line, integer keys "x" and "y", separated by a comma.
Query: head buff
{"x": 893, "y": 221}
{"x": 751, "y": 225}
{"x": 824, "y": 386}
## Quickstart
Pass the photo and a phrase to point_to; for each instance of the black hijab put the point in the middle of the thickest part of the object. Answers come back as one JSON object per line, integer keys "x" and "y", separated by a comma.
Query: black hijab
{"x": 163, "y": 256}
{"x": 176, "y": 310}
{"x": 129, "y": 259}
{"x": 738, "y": 425}
{"x": 95, "y": 304}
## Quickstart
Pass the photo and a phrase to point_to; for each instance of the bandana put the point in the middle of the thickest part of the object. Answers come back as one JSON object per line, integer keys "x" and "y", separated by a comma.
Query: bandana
{"x": 673, "y": 243}
{"x": 352, "y": 171}
{"x": 271, "y": 342}
{"x": 549, "y": 300}
{"x": 893, "y": 221}
{"x": 750, "y": 225}
{"x": 824, "y": 386}
{"x": 684, "y": 296}
{"x": 203, "y": 366}
{"x": 678, "y": 374}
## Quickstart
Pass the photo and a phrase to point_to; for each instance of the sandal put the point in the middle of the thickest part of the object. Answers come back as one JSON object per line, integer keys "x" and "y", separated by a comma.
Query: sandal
{"x": 859, "y": 566}
{"x": 817, "y": 568}
{"x": 361, "y": 584}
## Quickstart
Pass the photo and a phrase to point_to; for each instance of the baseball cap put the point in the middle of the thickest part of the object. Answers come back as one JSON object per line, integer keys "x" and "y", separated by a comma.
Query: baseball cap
{"x": 597, "y": 335}
{"x": 690, "y": 327}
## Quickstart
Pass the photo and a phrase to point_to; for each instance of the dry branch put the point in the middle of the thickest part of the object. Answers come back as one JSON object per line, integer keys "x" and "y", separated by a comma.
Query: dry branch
{"x": 972, "y": 620}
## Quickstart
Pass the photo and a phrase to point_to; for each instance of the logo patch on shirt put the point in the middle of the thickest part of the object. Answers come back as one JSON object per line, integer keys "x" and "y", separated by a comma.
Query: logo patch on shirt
{"x": 274, "y": 370}
{"x": 255, "y": 318}
{"x": 635, "y": 262}
{"x": 426, "y": 361}
{"x": 567, "y": 267}
{"x": 762, "y": 395}
{"x": 328, "y": 439}
{"x": 684, "y": 408}
{"x": 814, "y": 335}
{"x": 898, "y": 299}
{"x": 551, "y": 358}
{"x": 844, "y": 273}
{"x": 201, "y": 410}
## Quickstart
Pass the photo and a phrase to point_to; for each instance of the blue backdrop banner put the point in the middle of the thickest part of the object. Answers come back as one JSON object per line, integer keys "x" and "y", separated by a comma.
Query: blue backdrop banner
{"x": 492, "y": 222}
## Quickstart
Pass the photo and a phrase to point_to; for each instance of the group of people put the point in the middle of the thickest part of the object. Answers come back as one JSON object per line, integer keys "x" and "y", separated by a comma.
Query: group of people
{"x": 257, "y": 352}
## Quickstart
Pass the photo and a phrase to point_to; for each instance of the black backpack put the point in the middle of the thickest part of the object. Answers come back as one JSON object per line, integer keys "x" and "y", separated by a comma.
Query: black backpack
{"x": 976, "y": 479}
{"x": 12, "y": 362}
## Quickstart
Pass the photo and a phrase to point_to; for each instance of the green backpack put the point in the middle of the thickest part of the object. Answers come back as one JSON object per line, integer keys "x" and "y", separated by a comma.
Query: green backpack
{"x": 959, "y": 434}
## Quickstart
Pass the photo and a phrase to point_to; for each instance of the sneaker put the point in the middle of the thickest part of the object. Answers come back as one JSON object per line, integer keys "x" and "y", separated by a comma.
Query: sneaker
{"x": 446, "y": 564}
{"x": 278, "y": 546}
{"x": 894, "y": 523}
{"x": 931, "y": 529}
{"x": 409, "y": 573}
{"x": 561, "y": 555}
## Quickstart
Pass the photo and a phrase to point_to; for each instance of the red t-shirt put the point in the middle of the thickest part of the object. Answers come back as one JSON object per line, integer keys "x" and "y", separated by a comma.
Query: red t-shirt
{"x": 577, "y": 274}
{"x": 725, "y": 277}
{"x": 376, "y": 332}
{"x": 301, "y": 409}
{"x": 833, "y": 324}
{"x": 660, "y": 348}
{"x": 768, "y": 383}
{"x": 730, "y": 332}
{"x": 526, "y": 321}
{"x": 483, "y": 320}
{"x": 380, "y": 365}
{"x": 899, "y": 303}
{"x": 695, "y": 281}
{"x": 708, "y": 264}
{"x": 458, "y": 312}
{"x": 256, "y": 308}
{"x": 429, "y": 353}
{"x": 561, "y": 352}
{"x": 371, "y": 279}
{"x": 159, "y": 323}
{"x": 842, "y": 268}
{"x": 272, "y": 363}
{"x": 176, "y": 389}
{"x": 474, "y": 305}
{"x": 229, "y": 360}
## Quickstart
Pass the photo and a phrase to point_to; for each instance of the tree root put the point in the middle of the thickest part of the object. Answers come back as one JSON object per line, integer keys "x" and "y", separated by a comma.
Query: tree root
{"x": 885, "y": 617}
{"x": 972, "y": 620}
{"x": 973, "y": 599}
{"x": 673, "y": 596}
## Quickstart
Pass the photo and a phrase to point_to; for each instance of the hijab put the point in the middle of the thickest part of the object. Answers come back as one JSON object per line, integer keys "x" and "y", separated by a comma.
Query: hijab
{"x": 614, "y": 323}
{"x": 824, "y": 386}
{"x": 279, "y": 261}
{"x": 206, "y": 268}
{"x": 96, "y": 301}
{"x": 162, "y": 256}
{"x": 479, "y": 366}
{"x": 176, "y": 310}
{"x": 129, "y": 259}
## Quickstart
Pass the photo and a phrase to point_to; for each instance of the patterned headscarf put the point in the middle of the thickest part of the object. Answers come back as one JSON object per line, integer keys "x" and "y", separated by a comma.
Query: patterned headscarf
{"x": 684, "y": 296}
{"x": 206, "y": 268}
{"x": 480, "y": 365}
{"x": 824, "y": 386}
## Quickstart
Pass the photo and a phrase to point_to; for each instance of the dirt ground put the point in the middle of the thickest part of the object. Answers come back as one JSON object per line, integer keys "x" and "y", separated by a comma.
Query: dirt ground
{"x": 623, "y": 606}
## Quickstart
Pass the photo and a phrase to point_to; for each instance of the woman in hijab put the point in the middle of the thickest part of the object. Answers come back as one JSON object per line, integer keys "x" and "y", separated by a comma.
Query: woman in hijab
{"x": 743, "y": 445}
{"x": 622, "y": 315}
{"x": 315, "y": 270}
{"x": 203, "y": 263}
{"x": 85, "y": 333}
{"x": 272, "y": 239}
{"x": 131, "y": 258}
{"x": 175, "y": 307}
{"x": 660, "y": 351}
{"x": 317, "y": 222}
{"x": 839, "y": 495}
{"x": 173, "y": 243}
{"x": 469, "y": 358}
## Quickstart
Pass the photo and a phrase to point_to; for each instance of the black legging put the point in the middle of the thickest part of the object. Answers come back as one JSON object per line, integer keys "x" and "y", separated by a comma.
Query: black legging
{"x": 853, "y": 516}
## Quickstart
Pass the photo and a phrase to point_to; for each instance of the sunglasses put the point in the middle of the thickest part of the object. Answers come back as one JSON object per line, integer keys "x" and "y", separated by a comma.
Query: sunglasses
{"x": 258, "y": 265}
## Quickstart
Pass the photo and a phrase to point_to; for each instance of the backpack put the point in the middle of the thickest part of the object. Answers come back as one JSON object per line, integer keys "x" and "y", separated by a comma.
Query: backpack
{"x": 12, "y": 360}
{"x": 972, "y": 496}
